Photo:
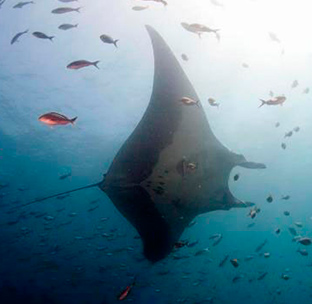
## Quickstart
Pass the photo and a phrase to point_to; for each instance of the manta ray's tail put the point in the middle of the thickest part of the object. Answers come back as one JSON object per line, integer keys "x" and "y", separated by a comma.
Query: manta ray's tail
{"x": 56, "y": 195}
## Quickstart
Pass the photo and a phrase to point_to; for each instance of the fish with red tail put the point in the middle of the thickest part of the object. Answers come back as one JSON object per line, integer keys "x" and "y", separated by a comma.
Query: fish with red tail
{"x": 126, "y": 291}
{"x": 76, "y": 65}
{"x": 53, "y": 119}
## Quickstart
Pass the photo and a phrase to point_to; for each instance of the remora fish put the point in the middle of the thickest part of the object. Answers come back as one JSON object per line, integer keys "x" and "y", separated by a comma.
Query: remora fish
{"x": 63, "y": 10}
{"x": 15, "y": 38}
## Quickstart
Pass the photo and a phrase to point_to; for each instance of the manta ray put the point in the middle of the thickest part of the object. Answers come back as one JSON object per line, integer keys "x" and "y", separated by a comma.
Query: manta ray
{"x": 172, "y": 167}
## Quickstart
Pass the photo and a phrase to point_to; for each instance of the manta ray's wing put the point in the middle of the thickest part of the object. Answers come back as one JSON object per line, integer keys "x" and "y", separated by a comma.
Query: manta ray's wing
{"x": 172, "y": 167}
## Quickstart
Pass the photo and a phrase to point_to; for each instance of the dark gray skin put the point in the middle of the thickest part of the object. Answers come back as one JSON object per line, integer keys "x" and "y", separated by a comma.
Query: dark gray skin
{"x": 144, "y": 181}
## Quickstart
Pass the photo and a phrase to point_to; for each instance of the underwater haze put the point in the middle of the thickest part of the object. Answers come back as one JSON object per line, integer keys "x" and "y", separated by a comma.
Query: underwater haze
{"x": 250, "y": 63}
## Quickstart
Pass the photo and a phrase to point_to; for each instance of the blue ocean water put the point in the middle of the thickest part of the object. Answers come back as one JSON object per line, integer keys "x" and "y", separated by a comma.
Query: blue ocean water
{"x": 79, "y": 248}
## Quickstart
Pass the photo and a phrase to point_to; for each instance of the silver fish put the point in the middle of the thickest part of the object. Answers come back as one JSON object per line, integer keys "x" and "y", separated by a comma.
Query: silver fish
{"x": 108, "y": 39}
{"x": 67, "y": 26}
{"x": 63, "y": 10}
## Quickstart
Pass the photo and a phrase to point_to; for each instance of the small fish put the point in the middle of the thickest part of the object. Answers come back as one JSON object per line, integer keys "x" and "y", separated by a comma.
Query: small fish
{"x": 184, "y": 57}
{"x": 294, "y": 84}
{"x": 245, "y": 65}
{"x": 237, "y": 278}
{"x": 188, "y": 101}
{"x": 292, "y": 231}
{"x": 285, "y": 277}
{"x": 306, "y": 91}
{"x": 253, "y": 212}
{"x": 303, "y": 252}
{"x": 224, "y": 260}
{"x": 54, "y": 118}
{"x": 298, "y": 224}
{"x": 266, "y": 255}
{"x": 65, "y": 176}
{"x": 274, "y": 37}
{"x": 269, "y": 199}
{"x": 63, "y": 10}
{"x": 277, "y": 125}
{"x": 251, "y": 225}
{"x": 286, "y": 197}
{"x": 236, "y": 177}
{"x": 279, "y": 100}
{"x": 42, "y": 35}
{"x": 213, "y": 103}
{"x": 75, "y": 65}
{"x": 288, "y": 134}
{"x": 277, "y": 231}
{"x": 305, "y": 241}
{"x": 109, "y": 40}
{"x": 67, "y": 26}
{"x": 262, "y": 276}
{"x": 191, "y": 224}
{"x": 283, "y": 145}
{"x": 139, "y": 8}
{"x": 248, "y": 258}
{"x": 217, "y": 241}
{"x": 215, "y": 236}
{"x": 193, "y": 244}
{"x": 21, "y": 4}
{"x": 191, "y": 166}
{"x": 201, "y": 252}
{"x": 126, "y": 291}
{"x": 199, "y": 29}
{"x": 15, "y": 38}
{"x": 297, "y": 129}
{"x": 287, "y": 213}
{"x": 92, "y": 209}
{"x": 259, "y": 247}
{"x": 234, "y": 262}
